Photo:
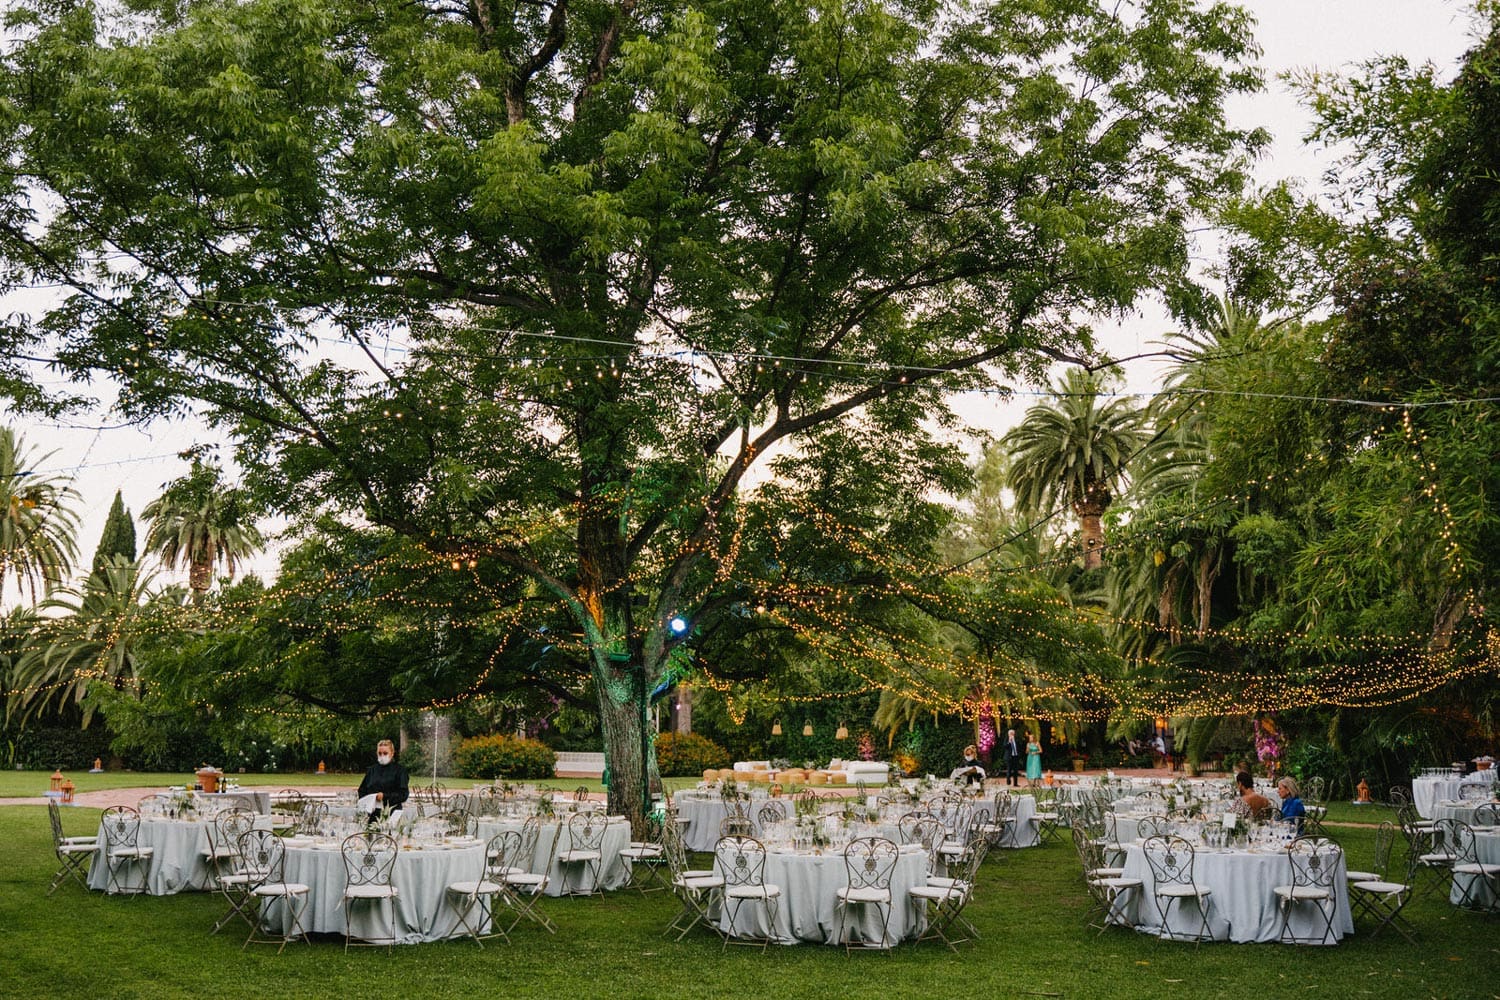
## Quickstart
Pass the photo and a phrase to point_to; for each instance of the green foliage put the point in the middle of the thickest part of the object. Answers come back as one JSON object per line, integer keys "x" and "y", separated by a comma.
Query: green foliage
{"x": 118, "y": 537}
{"x": 37, "y": 520}
{"x": 46, "y": 747}
{"x": 502, "y": 756}
{"x": 687, "y": 754}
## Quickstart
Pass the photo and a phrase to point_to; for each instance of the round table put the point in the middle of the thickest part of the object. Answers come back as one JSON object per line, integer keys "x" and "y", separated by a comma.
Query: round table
{"x": 613, "y": 872}
{"x": 808, "y": 912}
{"x": 1242, "y": 906}
{"x": 1487, "y": 848}
{"x": 423, "y": 909}
{"x": 179, "y": 859}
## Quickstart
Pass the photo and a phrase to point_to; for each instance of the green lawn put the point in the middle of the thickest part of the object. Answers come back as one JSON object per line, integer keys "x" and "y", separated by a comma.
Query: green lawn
{"x": 1028, "y": 908}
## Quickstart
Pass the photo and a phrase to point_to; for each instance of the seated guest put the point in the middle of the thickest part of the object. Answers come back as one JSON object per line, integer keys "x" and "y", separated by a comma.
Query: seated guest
{"x": 970, "y": 771}
{"x": 386, "y": 780}
{"x": 1292, "y": 809}
{"x": 1250, "y": 803}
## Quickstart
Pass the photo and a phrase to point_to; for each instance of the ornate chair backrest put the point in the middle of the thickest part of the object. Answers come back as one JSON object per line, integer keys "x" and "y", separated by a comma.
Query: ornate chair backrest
{"x": 121, "y": 826}
{"x": 773, "y": 811}
{"x": 455, "y": 822}
{"x": 671, "y": 845}
{"x": 1005, "y": 806}
{"x": 531, "y": 830}
{"x": 229, "y": 826}
{"x": 1458, "y": 840}
{"x": 154, "y": 804}
{"x": 1087, "y": 850}
{"x": 869, "y": 862}
{"x": 1150, "y": 826}
{"x": 581, "y": 793}
{"x": 741, "y": 861}
{"x": 1111, "y": 827}
{"x": 806, "y": 800}
{"x": 369, "y": 858}
{"x": 1487, "y": 814}
{"x": 979, "y": 818}
{"x": 1314, "y": 862}
{"x": 1313, "y": 792}
{"x": 263, "y": 855}
{"x": 736, "y": 825}
{"x": 1151, "y": 801}
{"x": 1265, "y": 813}
{"x": 54, "y": 816}
{"x": 907, "y": 824}
{"x": 486, "y": 802}
{"x": 1170, "y": 860}
{"x": 459, "y": 802}
{"x": 1385, "y": 837}
{"x": 504, "y": 852}
{"x": 586, "y": 830}
{"x": 1470, "y": 793}
{"x": 310, "y": 818}
{"x": 1399, "y": 797}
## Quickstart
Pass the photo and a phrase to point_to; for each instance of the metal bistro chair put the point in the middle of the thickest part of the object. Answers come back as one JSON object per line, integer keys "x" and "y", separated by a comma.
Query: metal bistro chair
{"x": 772, "y": 812}
{"x": 1107, "y": 886}
{"x": 369, "y": 862}
{"x": 646, "y": 856}
{"x": 1373, "y": 893}
{"x": 1314, "y": 869}
{"x": 1048, "y": 819}
{"x": 479, "y": 894}
{"x": 585, "y": 852}
{"x": 869, "y": 864}
{"x": 73, "y": 853}
{"x": 1475, "y": 883}
{"x": 945, "y": 898}
{"x": 231, "y": 876}
{"x": 1487, "y": 814}
{"x": 264, "y": 857}
{"x": 1171, "y": 862}
{"x": 741, "y": 862}
{"x": 696, "y": 890}
{"x": 122, "y": 829}
{"x": 510, "y": 854}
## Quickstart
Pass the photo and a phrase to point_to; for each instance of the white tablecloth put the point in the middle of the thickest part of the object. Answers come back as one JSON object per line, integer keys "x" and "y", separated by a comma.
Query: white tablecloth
{"x": 423, "y": 909}
{"x": 1461, "y": 811}
{"x": 1487, "y": 847}
{"x": 1025, "y": 831}
{"x": 613, "y": 872}
{"x": 807, "y": 911}
{"x": 703, "y": 816}
{"x": 1242, "y": 906}
{"x": 1426, "y": 792}
{"x": 178, "y": 863}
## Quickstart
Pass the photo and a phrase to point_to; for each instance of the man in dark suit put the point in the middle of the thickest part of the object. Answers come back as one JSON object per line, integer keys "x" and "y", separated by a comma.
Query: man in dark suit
{"x": 1014, "y": 748}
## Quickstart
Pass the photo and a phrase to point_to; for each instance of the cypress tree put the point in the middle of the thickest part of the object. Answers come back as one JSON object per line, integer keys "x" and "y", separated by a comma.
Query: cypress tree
{"x": 118, "y": 537}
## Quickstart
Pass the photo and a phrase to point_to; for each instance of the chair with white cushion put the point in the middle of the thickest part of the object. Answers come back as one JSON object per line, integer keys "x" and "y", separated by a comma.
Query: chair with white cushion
{"x": 1313, "y": 863}
{"x": 645, "y": 859}
{"x": 229, "y": 874}
{"x": 1171, "y": 862}
{"x": 585, "y": 853}
{"x": 741, "y": 862}
{"x": 476, "y": 897}
{"x": 946, "y": 898}
{"x": 122, "y": 850}
{"x": 264, "y": 858}
{"x": 509, "y": 856}
{"x": 1375, "y": 894}
{"x": 1475, "y": 883}
{"x": 696, "y": 890}
{"x": 369, "y": 863}
{"x": 1107, "y": 886}
{"x": 73, "y": 853}
{"x": 869, "y": 864}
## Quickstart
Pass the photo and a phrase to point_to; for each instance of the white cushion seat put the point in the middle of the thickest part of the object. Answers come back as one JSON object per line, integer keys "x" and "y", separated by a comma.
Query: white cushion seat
{"x": 1302, "y": 892}
{"x": 698, "y": 884}
{"x": 469, "y": 888}
{"x": 1118, "y": 882}
{"x": 1478, "y": 868}
{"x": 281, "y": 889}
{"x": 864, "y": 894}
{"x": 525, "y": 880}
{"x": 507, "y": 871}
{"x": 133, "y": 852}
{"x": 578, "y": 857}
{"x": 1103, "y": 873}
{"x": 766, "y": 891}
{"x": 1183, "y": 891}
{"x": 1362, "y": 877}
{"x": 1436, "y": 858}
{"x": 370, "y": 892}
{"x": 641, "y": 853}
{"x": 938, "y": 893}
{"x": 1380, "y": 887}
{"x": 80, "y": 840}
{"x": 237, "y": 878}
{"x": 66, "y": 848}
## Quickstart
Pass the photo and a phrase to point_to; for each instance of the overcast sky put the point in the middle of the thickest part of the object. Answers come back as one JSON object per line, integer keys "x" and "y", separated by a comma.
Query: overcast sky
{"x": 1294, "y": 34}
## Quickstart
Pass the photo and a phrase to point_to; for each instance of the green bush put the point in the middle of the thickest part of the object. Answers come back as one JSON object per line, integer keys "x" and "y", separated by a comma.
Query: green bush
{"x": 501, "y": 756}
{"x": 688, "y": 754}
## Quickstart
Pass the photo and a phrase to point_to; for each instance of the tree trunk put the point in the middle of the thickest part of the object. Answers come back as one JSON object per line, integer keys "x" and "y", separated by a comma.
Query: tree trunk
{"x": 682, "y": 716}
{"x": 622, "y": 691}
{"x": 200, "y": 578}
{"x": 1091, "y": 521}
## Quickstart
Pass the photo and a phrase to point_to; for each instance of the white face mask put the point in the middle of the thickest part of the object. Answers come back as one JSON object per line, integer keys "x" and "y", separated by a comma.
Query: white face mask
{"x": 384, "y": 758}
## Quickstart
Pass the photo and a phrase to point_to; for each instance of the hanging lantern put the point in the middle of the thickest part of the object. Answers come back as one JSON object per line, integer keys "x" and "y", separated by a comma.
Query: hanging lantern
{"x": 842, "y": 733}
{"x": 776, "y": 728}
{"x": 807, "y": 728}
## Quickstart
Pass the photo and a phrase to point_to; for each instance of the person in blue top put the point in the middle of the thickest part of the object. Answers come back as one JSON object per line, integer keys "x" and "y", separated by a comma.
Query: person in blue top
{"x": 1292, "y": 809}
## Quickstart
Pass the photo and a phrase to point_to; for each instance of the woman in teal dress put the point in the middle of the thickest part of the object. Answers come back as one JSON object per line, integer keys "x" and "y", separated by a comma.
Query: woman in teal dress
{"x": 1033, "y": 760}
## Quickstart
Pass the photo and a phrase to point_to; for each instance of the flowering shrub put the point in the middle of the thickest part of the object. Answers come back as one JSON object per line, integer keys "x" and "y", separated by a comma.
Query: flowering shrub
{"x": 1267, "y": 741}
{"x": 501, "y": 756}
{"x": 905, "y": 762}
{"x": 865, "y": 747}
{"x": 683, "y": 754}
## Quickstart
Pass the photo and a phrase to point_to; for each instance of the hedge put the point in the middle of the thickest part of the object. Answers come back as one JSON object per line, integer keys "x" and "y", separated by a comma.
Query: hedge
{"x": 688, "y": 754}
{"x": 501, "y": 756}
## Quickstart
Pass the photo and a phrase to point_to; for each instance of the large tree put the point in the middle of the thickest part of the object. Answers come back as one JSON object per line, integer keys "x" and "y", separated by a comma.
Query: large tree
{"x": 538, "y": 285}
{"x": 199, "y": 522}
{"x": 37, "y": 522}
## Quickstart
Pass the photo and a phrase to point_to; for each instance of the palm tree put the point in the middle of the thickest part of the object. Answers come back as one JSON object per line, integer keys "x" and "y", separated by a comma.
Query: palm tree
{"x": 197, "y": 523}
{"x": 1074, "y": 451}
{"x": 37, "y": 523}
